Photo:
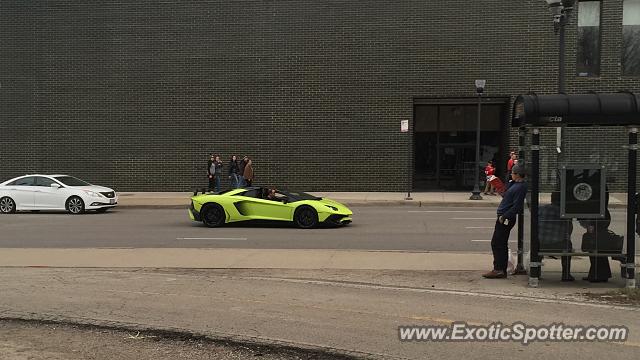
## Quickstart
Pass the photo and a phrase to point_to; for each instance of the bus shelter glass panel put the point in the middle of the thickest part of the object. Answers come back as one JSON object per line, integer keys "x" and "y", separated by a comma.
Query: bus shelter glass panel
{"x": 592, "y": 222}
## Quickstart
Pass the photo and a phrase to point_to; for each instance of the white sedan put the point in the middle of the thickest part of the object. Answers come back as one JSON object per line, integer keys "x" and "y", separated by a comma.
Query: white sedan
{"x": 54, "y": 192}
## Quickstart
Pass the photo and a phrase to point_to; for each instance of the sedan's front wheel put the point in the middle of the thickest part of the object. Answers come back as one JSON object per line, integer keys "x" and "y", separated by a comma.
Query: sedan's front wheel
{"x": 75, "y": 205}
{"x": 7, "y": 205}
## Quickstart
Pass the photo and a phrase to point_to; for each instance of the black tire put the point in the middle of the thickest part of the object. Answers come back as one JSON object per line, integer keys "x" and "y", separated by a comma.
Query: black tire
{"x": 305, "y": 217}
{"x": 75, "y": 205}
{"x": 102, "y": 210}
{"x": 7, "y": 205}
{"x": 213, "y": 215}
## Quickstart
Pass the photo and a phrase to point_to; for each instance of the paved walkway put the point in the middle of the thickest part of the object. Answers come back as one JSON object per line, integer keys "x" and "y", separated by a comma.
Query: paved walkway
{"x": 256, "y": 259}
{"x": 354, "y": 312}
{"x": 282, "y": 259}
{"x": 181, "y": 199}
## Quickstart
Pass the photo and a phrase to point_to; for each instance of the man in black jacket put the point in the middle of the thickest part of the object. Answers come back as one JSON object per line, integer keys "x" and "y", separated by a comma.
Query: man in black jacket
{"x": 597, "y": 232}
{"x": 217, "y": 173}
{"x": 509, "y": 208}
{"x": 234, "y": 172}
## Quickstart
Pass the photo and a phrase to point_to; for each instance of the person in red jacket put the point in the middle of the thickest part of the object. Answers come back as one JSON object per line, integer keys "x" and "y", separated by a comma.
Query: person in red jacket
{"x": 490, "y": 171}
{"x": 513, "y": 159}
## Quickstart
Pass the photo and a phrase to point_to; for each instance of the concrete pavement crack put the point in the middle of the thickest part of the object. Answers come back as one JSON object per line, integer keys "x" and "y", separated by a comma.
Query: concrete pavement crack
{"x": 230, "y": 338}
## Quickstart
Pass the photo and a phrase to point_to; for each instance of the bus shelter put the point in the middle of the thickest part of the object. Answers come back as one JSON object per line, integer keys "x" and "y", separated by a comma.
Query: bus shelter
{"x": 580, "y": 193}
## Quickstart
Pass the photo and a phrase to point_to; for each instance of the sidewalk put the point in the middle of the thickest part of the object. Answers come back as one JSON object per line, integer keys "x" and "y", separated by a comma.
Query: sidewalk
{"x": 348, "y": 312}
{"x": 181, "y": 199}
{"x": 296, "y": 260}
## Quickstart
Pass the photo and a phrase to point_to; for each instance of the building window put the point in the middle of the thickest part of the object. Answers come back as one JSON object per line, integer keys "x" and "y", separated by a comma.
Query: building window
{"x": 631, "y": 38}
{"x": 588, "y": 57}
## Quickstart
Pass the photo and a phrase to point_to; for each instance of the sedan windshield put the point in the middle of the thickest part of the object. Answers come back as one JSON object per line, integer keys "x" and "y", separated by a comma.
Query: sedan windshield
{"x": 71, "y": 181}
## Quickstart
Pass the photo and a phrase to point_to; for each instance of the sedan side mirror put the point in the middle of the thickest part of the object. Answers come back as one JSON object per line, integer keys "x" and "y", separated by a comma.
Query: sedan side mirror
{"x": 55, "y": 186}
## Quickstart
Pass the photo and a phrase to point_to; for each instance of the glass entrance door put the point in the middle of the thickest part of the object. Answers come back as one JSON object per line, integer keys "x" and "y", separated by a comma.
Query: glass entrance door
{"x": 445, "y": 142}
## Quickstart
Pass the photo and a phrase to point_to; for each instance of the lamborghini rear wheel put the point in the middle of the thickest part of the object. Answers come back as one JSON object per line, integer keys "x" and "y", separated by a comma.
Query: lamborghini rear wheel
{"x": 212, "y": 215}
{"x": 305, "y": 217}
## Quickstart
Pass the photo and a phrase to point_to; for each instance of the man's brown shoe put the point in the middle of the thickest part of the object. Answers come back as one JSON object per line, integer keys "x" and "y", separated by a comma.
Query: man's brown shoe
{"x": 495, "y": 274}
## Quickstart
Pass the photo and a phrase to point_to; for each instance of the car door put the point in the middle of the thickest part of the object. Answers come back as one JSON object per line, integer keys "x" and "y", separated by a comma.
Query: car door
{"x": 258, "y": 208}
{"x": 22, "y": 191}
{"x": 48, "y": 197}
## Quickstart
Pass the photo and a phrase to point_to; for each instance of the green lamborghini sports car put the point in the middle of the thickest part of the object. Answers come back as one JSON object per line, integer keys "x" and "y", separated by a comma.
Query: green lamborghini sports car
{"x": 258, "y": 203}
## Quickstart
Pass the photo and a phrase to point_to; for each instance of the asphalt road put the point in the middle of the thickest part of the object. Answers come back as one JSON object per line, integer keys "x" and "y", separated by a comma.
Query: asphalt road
{"x": 374, "y": 228}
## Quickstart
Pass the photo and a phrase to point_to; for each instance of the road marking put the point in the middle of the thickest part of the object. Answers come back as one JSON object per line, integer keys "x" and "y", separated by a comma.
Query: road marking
{"x": 204, "y": 238}
{"x": 443, "y": 211}
{"x": 493, "y": 218}
{"x": 490, "y": 241}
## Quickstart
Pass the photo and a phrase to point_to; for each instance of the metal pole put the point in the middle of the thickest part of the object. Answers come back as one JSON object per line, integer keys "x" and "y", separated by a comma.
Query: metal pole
{"x": 410, "y": 172}
{"x": 534, "y": 263}
{"x": 476, "y": 190}
{"x": 411, "y": 154}
{"x": 631, "y": 206}
{"x": 561, "y": 66}
{"x": 564, "y": 19}
{"x": 438, "y": 149}
{"x": 520, "y": 270}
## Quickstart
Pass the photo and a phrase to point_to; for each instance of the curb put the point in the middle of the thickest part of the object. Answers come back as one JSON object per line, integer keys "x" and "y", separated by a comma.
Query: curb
{"x": 360, "y": 203}
{"x": 151, "y": 206}
{"x": 347, "y": 203}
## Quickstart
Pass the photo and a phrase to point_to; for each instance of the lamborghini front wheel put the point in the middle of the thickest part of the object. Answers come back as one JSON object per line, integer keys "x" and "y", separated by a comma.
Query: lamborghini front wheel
{"x": 305, "y": 217}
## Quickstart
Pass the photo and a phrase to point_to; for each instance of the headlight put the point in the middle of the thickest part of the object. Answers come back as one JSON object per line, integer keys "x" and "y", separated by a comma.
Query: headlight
{"x": 93, "y": 193}
{"x": 332, "y": 207}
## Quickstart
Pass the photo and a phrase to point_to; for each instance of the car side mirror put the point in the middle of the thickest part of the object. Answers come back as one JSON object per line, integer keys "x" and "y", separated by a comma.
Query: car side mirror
{"x": 55, "y": 186}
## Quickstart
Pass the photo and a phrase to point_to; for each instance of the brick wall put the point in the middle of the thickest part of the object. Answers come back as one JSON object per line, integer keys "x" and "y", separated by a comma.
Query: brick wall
{"x": 135, "y": 94}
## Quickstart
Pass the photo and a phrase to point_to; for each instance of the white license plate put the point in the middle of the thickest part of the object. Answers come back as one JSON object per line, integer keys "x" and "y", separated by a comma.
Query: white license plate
{"x": 112, "y": 201}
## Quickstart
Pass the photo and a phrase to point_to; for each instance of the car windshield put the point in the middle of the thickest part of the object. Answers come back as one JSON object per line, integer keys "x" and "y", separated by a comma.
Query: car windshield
{"x": 71, "y": 181}
{"x": 301, "y": 195}
{"x": 225, "y": 191}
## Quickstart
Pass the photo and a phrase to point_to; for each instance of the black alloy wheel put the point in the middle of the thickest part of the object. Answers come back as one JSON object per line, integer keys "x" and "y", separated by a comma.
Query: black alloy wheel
{"x": 213, "y": 215}
{"x": 305, "y": 217}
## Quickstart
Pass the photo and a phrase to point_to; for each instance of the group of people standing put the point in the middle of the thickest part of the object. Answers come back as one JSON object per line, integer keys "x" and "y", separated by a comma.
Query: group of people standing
{"x": 490, "y": 171}
{"x": 240, "y": 172}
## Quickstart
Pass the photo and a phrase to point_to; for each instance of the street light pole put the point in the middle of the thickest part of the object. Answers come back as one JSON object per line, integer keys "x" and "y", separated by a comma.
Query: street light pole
{"x": 561, "y": 10}
{"x": 475, "y": 194}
